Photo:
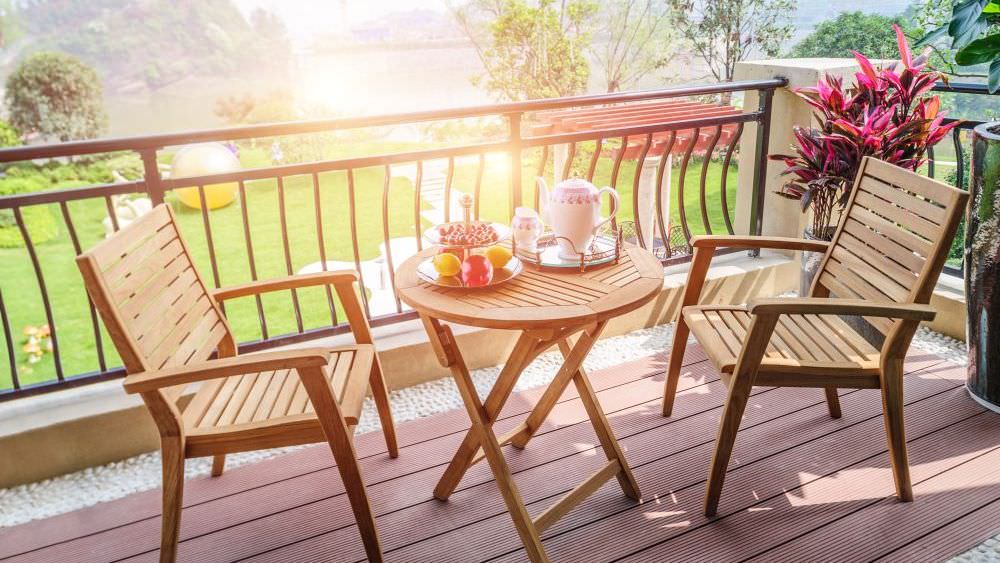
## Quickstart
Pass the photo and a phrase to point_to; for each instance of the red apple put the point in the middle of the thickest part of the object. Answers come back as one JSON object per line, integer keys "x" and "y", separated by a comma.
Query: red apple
{"x": 477, "y": 271}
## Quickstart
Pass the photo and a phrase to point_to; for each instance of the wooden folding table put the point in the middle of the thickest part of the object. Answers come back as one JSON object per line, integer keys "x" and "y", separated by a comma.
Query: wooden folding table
{"x": 548, "y": 308}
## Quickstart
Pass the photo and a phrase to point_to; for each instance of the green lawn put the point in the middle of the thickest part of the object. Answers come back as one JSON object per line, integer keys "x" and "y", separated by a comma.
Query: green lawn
{"x": 22, "y": 297}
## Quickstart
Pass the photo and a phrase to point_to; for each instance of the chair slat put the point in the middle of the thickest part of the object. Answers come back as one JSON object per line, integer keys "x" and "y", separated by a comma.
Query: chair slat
{"x": 929, "y": 210}
{"x": 902, "y": 217}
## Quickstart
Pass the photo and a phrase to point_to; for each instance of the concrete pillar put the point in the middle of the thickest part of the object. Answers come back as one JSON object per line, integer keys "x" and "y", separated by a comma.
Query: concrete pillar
{"x": 646, "y": 212}
{"x": 782, "y": 217}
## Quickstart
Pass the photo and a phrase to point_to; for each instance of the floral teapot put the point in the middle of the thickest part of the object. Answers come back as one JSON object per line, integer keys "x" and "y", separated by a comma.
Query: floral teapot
{"x": 573, "y": 209}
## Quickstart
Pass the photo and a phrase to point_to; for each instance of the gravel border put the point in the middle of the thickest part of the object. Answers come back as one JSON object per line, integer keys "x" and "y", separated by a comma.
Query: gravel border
{"x": 115, "y": 480}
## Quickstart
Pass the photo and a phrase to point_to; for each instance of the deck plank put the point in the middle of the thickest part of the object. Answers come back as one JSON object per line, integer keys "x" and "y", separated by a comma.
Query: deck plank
{"x": 791, "y": 475}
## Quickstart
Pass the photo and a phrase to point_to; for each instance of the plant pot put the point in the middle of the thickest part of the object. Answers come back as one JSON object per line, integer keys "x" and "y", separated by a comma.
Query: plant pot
{"x": 982, "y": 266}
{"x": 811, "y": 262}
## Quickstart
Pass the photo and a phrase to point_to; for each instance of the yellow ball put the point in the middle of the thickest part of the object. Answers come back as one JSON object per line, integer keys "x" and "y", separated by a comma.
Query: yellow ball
{"x": 202, "y": 160}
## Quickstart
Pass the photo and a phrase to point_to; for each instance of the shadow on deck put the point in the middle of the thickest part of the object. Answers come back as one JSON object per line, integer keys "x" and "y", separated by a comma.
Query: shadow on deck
{"x": 801, "y": 487}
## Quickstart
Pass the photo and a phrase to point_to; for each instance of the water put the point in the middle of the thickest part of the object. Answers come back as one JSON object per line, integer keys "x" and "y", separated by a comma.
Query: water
{"x": 367, "y": 81}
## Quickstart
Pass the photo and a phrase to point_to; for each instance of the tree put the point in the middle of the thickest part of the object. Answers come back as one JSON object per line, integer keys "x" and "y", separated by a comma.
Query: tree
{"x": 530, "y": 52}
{"x": 55, "y": 95}
{"x": 9, "y": 135}
{"x": 234, "y": 110}
{"x": 640, "y": 40}
{"x": 869, "y": 34}
{"x": 723, "y": 33}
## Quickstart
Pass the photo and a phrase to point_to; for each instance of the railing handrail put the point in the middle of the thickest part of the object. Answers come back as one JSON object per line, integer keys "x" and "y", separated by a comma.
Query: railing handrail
{"x": 159, "y": 141}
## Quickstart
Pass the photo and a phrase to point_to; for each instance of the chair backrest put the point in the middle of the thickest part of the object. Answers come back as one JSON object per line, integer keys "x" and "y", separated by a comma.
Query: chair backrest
{"x": 893, "y": 238}
{"x": 154, "y": 304}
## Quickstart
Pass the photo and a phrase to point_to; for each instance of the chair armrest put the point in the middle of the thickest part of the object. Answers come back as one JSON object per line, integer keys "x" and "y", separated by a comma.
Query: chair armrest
{"x": 289, "y": 282}
{"x": 782, "y": 243}
{"x": 834, "y": 306}
{"x": 236, "y": 365}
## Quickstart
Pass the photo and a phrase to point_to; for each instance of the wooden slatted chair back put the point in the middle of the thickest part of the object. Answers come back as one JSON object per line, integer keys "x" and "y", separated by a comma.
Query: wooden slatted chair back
{"x": 154, "y": 303}
{"x": 893, "y": 239}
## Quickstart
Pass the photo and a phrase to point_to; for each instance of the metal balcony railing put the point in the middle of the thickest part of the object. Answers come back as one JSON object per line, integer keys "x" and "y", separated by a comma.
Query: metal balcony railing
{"x": 296, "y": 213}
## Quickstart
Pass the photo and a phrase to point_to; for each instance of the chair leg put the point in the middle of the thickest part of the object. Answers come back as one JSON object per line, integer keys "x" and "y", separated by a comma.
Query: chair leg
{"x": 892, "y": 404}
{"x": 380, "y": 392}
{"x": 732, "y": 414}
{"x": 173, "y": 496}
{"x": 218, "y": 464}
{"x": 674, "y": 367}
{"x": 833, "y": 402}
{"x": 758, "y": 335}
{"x": 350, "y": 474}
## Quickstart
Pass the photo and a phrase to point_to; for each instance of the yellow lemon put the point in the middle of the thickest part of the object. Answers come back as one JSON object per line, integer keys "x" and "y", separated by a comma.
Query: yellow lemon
{"x": 447, "y": 264}
{"x": 498, "y": 256}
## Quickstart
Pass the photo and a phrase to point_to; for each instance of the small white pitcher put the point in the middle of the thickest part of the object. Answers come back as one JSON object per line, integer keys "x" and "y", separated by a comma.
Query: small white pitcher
{"x": 526, "y": 227}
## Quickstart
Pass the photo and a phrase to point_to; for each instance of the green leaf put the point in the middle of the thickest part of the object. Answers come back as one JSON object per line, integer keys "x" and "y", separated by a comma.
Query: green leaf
{"x": 994, "y": 80}
{"x": 980, "y": 51}
{"x": 992, "y": 8}
{"x": 931, "y": 36}
{"x": 970, "y": 33}
{"x": 964, "y": 16}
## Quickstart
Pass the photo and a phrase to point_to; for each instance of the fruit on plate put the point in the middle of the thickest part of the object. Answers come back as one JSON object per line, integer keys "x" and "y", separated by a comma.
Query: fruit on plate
{"x": 498, "y": 256}
{"x": 477, "y": 271}
{"x": 447, "y": 264}
{"x": 473, "y": 234}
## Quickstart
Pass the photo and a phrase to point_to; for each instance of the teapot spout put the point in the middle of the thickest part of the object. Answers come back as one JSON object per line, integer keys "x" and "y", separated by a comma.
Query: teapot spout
{"x": 543, "y": 198}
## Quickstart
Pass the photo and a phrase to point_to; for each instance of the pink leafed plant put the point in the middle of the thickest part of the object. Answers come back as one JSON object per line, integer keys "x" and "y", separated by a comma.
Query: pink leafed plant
{"x": 886, "y": 114}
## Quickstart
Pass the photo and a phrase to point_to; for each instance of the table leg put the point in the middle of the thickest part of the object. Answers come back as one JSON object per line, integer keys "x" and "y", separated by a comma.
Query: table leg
{"x": 470, "y": 451}
{"x": 482, "y": 428}
{"x": 482, "y": 443}
{"x": 555, "y": 389}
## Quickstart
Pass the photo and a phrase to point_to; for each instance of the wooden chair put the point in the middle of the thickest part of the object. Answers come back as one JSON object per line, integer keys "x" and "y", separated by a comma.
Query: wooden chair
{"x": 167, "y": 324}
{"x": 882, "y": 264}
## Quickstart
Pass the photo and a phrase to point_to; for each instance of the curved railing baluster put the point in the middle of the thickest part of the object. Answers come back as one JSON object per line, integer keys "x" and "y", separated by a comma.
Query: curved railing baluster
{"x": 250, "y": 257}
{"x": 635, "y": 190}
{"x": 479, "y": 183}
{"x": 540, "y": 173}
{"x": 385, "y": 236}
{"x": 40, "y": 277}
{"x": 98, "y": 342}
{"x": 568, "y": 165}
{"x": 704, "y": 177}
{"x": 208, "y": 237}
{"x": 321, "y": 244}
{"x": 447, "y": 189}
{"x": 9, "y": 340}
{"x": 660, "y": 168}
{"x": 614, "y": 173}
{"x": 594, "y": 158}
{"x": 417, "y": 223}
{"x": 680, "y": 183}
{"x": 283, "y": 221}
{"x": 110, "y": 206}
{"x": 353, "y": 211}
{"x": 724, "y": 194}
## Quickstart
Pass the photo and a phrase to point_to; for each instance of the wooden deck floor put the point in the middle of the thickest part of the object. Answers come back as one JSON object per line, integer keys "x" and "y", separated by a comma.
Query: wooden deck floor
{"x": 802, "y": 486}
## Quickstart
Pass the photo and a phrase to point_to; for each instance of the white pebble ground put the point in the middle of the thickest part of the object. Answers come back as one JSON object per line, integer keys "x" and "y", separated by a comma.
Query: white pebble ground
{"x": 115, "y": 480}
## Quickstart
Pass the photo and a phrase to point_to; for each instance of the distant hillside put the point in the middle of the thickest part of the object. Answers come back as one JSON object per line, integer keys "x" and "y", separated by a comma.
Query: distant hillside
{"x": 151, "y": 43}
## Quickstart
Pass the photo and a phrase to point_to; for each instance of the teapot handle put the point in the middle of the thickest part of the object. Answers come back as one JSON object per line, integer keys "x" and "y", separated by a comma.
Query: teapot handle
{"x": 615, "y": 204}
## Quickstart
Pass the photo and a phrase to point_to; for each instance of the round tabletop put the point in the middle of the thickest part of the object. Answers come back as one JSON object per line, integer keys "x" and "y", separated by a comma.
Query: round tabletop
{"x": 538, "y": 299}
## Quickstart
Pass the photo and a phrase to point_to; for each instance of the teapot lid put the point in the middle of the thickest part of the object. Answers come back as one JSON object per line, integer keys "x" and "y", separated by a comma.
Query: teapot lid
{"x": 575, "y": 184}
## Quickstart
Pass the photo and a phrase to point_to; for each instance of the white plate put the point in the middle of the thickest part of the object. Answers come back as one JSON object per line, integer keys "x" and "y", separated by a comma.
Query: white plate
{"x": 428, "y": 274}
{"x": 503, "y": 231}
